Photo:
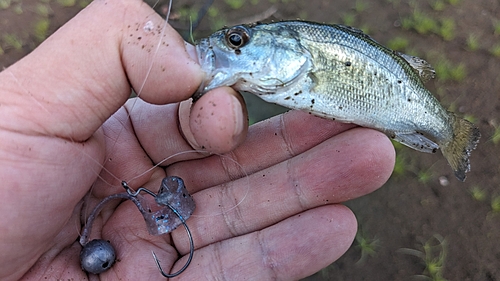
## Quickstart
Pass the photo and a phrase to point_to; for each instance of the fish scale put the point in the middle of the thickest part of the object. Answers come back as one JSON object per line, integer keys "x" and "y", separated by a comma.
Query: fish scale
{"x": 340, "y": 73}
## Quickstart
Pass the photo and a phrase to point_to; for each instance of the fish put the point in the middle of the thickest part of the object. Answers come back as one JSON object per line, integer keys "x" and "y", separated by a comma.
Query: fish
{"x": 339, "y": 73}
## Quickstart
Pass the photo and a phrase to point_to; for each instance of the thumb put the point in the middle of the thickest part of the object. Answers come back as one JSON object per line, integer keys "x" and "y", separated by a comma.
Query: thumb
{"x": 83, "y": 73}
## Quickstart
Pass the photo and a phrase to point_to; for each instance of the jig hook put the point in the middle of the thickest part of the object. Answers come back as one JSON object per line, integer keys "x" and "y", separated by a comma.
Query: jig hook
{"x": 174, "y": 206}
{"x": 190, "y": 237}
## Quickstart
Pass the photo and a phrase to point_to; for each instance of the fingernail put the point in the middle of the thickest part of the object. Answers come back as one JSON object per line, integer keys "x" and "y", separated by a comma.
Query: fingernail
{"x": 191, "y": 50}
{"x": 238, "y": 113}
{"x": 184, "y": 113}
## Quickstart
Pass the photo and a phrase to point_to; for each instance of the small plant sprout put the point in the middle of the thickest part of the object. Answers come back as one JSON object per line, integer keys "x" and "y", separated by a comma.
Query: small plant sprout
{"x": 4, "y": 4}
{"x": 446, "y": 70}
{"x": 433, "y": 256}
{"x": 447, "y": 29}
{"x": 11, "y": 40}
{"x": 213, "y": 12}
{"x": 365, "y": 28}
{"x": 398, "y": 43}
{"x": 18, "y": 9}
{"x": 406, "y": 23}
{"x": 84, "y": 3}
{"x": 368, "y": 246}
{"x": 413, "y": 4}
{"x": 454, "y": 2}
{"x": 422, "y": 23}
{"x": 349, "y": 19}
{"x": 473, "y": 42}
{"x": 41, "y": 29}
{"x": 478, "y": 193}
{"x": 459, "y": 72}
{"x": 495, "y": 204}
{"x": 43, "y": 9}
{"x": 188, "y": 13}
{"x": 496, "y": 27}
{"x": 495, "y": 50}
{"x": 235, "y": 4}
{"x": 401, "y": 165}
{"x": 495, "y": 138}
{"x": 424, "y": 176}
{"x": 218, "y": 23}
{"x": 67, "y": 3}
{"x": 360, "y": 6}
{"x": 438, "y": 5}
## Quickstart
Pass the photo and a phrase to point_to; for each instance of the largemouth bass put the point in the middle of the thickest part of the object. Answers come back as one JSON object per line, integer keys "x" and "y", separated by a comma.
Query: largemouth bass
{"x": 340, "y": 73}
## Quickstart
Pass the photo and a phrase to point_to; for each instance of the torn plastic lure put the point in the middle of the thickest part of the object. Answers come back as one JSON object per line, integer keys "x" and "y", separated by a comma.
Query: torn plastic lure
{"x": 174, "y": 206}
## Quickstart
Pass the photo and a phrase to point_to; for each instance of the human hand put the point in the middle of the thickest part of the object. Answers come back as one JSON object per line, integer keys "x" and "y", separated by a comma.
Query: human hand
{"x": 54, "y": 146}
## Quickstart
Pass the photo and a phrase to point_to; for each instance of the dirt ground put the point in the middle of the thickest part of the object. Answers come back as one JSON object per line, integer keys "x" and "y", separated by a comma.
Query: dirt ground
{"x": 423, "y": 224}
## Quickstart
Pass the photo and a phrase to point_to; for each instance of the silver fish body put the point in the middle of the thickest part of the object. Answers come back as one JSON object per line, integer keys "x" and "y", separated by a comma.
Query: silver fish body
{"x": 340, "y": 73}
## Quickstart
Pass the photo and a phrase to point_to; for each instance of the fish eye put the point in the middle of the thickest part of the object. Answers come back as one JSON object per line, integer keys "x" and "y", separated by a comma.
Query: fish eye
{"x": 237, "y": 37}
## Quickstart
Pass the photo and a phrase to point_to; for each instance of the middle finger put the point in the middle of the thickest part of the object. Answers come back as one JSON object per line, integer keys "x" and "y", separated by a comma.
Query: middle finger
{"x": 346, "y": 166}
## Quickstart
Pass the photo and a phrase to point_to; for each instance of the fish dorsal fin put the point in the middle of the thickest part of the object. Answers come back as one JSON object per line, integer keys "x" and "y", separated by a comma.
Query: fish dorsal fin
{"x": 424, "y": 69}
{"x": 357, "y": 31}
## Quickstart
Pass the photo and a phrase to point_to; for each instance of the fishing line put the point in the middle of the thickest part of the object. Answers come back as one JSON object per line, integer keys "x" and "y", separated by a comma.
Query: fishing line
{"x": 222, "y": 157}
{"x": 235, "y": 182}
{"x": 86, "y": 231}
{"x": 148, "y": 26}
{"x": 98, "y": 255}
{"x": 139, "y": 92}
{"x": 157, "y": 49}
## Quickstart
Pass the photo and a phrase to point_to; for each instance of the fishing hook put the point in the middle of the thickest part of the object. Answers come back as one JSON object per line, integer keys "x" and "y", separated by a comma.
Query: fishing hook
{"x": 99, "y": 255}
{"x": 190, "y": 237}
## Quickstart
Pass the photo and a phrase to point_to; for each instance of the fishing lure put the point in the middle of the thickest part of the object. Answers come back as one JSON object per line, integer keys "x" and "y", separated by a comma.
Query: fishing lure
{"x": 174, "y": 206}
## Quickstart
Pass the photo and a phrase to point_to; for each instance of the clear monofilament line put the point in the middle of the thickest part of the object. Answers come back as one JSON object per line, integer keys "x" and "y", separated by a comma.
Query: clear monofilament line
{"x": 211, "y": 155}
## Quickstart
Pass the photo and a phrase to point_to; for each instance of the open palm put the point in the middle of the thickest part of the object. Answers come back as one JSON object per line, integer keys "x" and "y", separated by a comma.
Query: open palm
{"x": 62, "y": 121}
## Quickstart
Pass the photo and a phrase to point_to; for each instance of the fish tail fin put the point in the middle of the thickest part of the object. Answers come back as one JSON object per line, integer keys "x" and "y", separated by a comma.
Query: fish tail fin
{"x": 457, "y": 151}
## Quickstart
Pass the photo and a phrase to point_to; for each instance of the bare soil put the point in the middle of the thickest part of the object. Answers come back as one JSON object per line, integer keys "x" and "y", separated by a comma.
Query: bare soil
{"x": 422, "y": 200}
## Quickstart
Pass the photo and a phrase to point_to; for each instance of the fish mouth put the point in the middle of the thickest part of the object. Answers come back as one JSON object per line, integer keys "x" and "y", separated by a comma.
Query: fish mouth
{"x": 253, "y": 71}
{"x": 215, "y": 63}
{"x": 206, "y": 59}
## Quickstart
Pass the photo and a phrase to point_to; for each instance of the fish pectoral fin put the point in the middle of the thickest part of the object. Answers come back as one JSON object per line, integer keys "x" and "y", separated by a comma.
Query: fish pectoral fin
{"x": 424, "y": 69}
{"x": 416, "y": 141}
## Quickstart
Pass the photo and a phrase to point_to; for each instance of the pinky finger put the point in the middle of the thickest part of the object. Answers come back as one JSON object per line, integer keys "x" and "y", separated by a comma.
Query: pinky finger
{"x": 289, "y": 250}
